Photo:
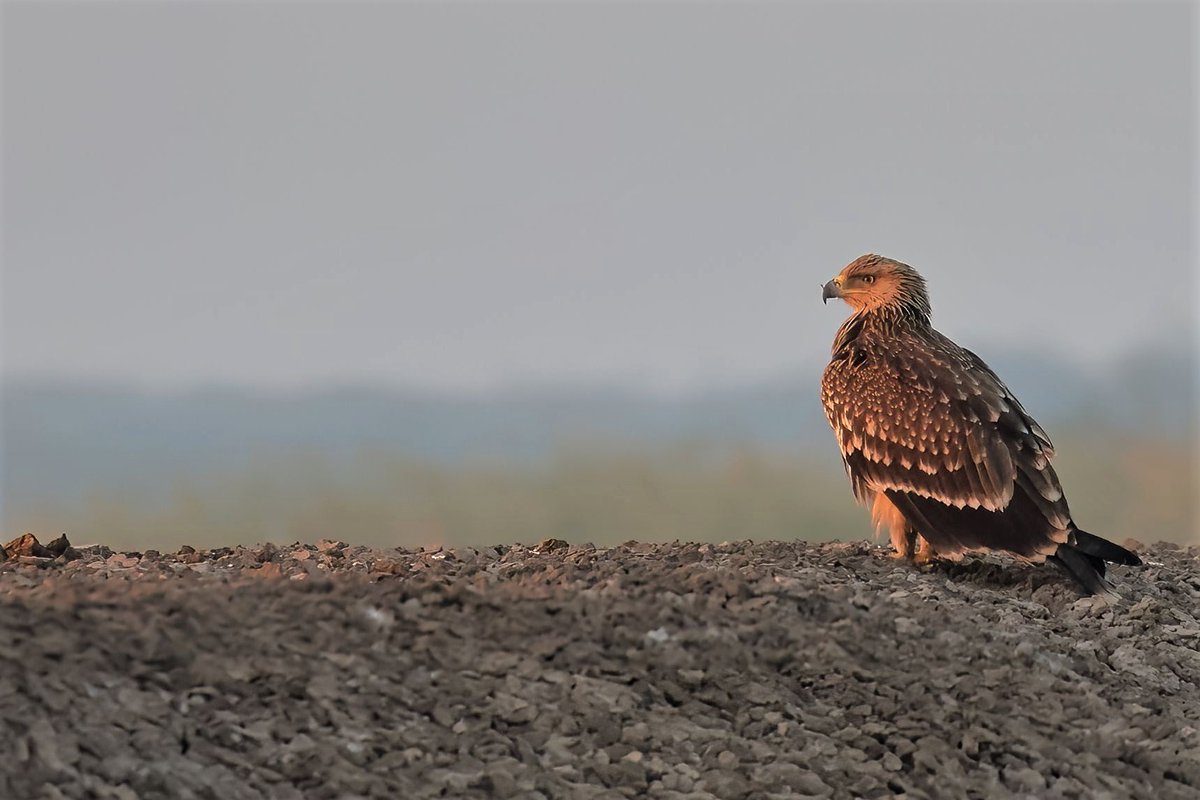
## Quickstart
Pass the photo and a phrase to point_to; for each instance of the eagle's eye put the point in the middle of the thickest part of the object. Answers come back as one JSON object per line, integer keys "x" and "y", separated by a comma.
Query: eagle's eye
{"x": 868, "y": 278}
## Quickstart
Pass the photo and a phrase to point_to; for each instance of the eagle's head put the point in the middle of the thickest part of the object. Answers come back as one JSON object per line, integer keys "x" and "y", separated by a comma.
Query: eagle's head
{"x": 872, "y": 282}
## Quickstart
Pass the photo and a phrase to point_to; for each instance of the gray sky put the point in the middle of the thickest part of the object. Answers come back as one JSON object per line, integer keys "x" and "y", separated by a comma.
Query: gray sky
{"x": 461, "y": 195}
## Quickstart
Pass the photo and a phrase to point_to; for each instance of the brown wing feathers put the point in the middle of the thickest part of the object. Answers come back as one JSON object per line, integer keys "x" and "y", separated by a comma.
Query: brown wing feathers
{"x": 925, "y": 427}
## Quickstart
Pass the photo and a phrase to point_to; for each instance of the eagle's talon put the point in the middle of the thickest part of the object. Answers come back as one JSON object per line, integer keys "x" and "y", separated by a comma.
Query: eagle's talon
{"x": 924, "y": 558}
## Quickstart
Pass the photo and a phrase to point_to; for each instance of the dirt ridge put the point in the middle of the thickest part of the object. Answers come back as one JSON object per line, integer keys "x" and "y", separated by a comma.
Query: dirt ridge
{"x": 772, "y": 669}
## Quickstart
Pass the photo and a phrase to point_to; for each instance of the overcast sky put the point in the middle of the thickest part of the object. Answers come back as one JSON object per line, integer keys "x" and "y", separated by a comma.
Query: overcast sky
{"x": 461, "y": 195}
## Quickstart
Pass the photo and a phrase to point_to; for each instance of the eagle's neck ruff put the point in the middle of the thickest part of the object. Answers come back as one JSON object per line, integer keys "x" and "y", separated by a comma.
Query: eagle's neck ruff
{"x": 886, "y": 321}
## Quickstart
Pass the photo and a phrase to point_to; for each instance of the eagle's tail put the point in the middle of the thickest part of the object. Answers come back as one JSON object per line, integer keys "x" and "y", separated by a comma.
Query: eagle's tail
{"x": 1084, "y": 558}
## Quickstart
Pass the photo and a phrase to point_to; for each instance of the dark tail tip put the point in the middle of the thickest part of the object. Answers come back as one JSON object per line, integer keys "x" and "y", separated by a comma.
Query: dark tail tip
{"x": 1083, "y": 556}
{"x": 1102, "y": 548}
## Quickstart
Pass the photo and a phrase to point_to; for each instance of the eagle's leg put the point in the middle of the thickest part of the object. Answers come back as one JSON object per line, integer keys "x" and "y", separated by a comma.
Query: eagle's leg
{"x": 924, "y": 553}
{"x": 912, "y": 546}
{"x": 904, "y": 540}
{"x": 903, "y": 535}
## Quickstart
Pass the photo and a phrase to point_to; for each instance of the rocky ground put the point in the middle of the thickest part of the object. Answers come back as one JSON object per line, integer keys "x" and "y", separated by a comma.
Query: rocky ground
{"x": 665, "y": 670}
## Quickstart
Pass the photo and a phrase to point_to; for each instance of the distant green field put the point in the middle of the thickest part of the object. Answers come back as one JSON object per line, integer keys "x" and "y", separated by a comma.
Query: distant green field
{"x": 1119, "y": 488}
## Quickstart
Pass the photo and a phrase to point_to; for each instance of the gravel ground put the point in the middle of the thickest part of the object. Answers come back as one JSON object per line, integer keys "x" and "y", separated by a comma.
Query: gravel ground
{"x": 661, "y": 670}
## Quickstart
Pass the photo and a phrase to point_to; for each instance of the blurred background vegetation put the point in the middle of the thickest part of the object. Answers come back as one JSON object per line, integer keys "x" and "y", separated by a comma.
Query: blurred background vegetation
{"x": 219, "y": 466}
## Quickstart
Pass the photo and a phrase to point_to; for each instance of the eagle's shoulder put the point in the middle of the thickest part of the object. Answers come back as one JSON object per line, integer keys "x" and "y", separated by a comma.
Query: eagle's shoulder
{"x": 916, "y": 412}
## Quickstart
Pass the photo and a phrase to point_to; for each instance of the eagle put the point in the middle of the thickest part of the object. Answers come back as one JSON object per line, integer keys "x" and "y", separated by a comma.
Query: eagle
{"x": 933, "y": 441}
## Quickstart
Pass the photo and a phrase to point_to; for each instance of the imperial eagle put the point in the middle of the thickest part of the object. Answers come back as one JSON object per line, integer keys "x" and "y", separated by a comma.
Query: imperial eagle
{"x": 937, "y": 445}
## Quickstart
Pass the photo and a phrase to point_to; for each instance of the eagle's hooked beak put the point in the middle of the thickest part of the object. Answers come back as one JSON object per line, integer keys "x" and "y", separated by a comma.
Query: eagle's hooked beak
{"x": 831, "y": 289}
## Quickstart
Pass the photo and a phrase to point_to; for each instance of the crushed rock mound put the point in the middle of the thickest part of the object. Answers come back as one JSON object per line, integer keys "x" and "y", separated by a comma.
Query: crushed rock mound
{"x": 738, "y": 670}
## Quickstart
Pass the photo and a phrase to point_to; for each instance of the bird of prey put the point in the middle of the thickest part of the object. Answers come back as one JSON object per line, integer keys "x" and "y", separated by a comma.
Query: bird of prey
{"x": 935, "y": 443}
